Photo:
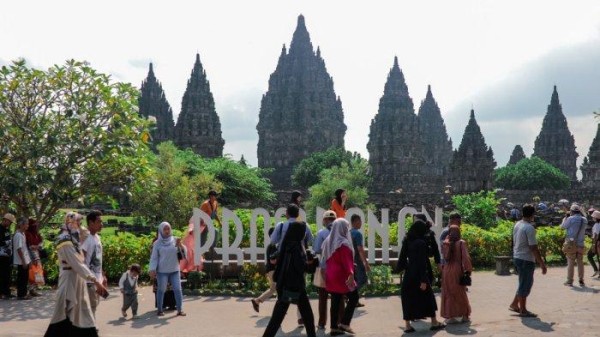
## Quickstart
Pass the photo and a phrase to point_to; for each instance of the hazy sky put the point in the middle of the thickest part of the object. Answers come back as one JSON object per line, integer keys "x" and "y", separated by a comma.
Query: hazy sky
{"x": 501, "y": 57}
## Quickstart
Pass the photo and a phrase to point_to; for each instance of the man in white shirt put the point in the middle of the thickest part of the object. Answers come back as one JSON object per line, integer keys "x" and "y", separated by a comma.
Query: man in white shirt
{"x": 92, "y": 250}
{"x": 594, "y": 249}
{"x": 21, "y": 259}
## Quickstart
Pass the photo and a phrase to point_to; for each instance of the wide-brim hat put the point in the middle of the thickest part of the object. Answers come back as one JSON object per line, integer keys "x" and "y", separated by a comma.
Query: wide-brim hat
{"x": 10, "y": 217}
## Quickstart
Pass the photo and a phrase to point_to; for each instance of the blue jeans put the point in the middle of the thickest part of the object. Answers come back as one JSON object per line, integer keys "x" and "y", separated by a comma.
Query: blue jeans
{"x": 525, "y": 269}
{"x": 175, "y": 280}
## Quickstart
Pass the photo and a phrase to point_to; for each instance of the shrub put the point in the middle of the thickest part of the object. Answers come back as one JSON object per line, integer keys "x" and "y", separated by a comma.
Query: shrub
{"x": 531, "y": 174}
{"x": 478, "y": 208}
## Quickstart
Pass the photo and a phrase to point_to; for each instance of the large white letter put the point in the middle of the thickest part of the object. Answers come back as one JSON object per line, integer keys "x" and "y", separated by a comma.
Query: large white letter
{"x": 254, "y": 250}
{"x": 235, "y": 245}
{"x": 200, "y": 249}
{"x": 381, "y": 228}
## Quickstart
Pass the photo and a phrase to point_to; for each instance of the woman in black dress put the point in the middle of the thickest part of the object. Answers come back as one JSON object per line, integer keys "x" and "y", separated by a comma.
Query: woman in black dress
{"x": 418, "y": 301}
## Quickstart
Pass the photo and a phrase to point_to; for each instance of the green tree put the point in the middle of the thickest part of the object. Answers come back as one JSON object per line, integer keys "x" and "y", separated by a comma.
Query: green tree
{"x": 350, "y": 176}
{"x": 307, "y": 172}
{"x": 65, "y": 133}
{"x": 478, "y": 209}
{"x": 531, "y": 174}
{"x": 241, "y": 183}
{"x": 169, "y": 193}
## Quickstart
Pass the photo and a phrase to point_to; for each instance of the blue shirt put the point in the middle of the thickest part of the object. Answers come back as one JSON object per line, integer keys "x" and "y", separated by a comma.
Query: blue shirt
{"x": 282, "y": 227}
{"x": 321, "y": 236}
{"x": 575, "y": 226}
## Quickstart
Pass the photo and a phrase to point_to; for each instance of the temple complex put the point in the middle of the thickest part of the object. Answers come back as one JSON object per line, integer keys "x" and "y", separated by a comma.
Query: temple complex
{"x": 590, "y": 169}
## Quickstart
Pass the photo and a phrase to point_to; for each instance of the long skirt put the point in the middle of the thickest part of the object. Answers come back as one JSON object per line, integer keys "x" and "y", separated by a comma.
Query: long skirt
{"x": 416, "y": 303}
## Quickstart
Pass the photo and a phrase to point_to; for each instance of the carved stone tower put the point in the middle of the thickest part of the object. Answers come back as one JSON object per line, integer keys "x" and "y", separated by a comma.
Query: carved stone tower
{"x": 395, "y": 146}
{"x": 152, "y": 102}
{"x": 555, "y": 143}
{"x": 517, "y": 155}
{"x": 437, "y": 144}
{"x": 300, "y": 114}
{"x": 198, "y": 125}
{"x": 472, "y": 167}
{"x": 590, "y": 169}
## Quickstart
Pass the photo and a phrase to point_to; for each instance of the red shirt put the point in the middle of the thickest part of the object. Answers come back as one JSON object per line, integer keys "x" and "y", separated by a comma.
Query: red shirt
{"x": 338, "y": 268}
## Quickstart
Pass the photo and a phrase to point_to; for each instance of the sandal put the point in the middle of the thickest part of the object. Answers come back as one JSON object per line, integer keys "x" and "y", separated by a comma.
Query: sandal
{"x": 255, "y": 304}
{"x": 335, "y": 332}
{"x": 181, "y": 313}
{"x": 346, "y": 328}
{"x": 409, "y": 330}
{"x": 527, "y": 314}
{"x": 514, "y": 310}
{"x": 437, "y": 327}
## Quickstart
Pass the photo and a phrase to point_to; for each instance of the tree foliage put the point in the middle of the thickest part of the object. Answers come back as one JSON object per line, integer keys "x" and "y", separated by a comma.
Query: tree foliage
{"x": 307, "y": 172}
{"x": 66, "y": 132}
{"x": 242, "y": 184}
{"x": 478, "y": 209}
{"x": 531, "y": 174}
{"x": 170, "y": 192}
{"x": 350, "y": 176}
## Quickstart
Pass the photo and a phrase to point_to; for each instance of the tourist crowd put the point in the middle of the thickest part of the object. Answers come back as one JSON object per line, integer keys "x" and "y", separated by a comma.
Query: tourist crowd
{"x": 337, "y": 264}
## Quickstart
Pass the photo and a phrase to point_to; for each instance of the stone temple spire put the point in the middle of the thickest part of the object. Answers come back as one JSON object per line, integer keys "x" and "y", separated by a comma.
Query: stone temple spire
{"x": 517, "y": 155}
{"x": 152, "y": 102}
{"x": 395, "y": 148}
{"x": 555, "y": 143}
{"x": 300, "y": 114}
{"x": 590, "y": 169}
{"x": 198, "y": 125}
{"x": 437, "y": 144}
{"x": 472, "y": 166}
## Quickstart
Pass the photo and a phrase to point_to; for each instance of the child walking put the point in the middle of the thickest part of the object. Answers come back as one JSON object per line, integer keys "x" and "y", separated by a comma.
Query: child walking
{"x": 128, "y": 286}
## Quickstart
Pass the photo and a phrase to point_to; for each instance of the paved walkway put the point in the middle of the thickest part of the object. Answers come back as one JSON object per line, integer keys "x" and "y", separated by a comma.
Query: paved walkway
{"x": 563, "y": 311}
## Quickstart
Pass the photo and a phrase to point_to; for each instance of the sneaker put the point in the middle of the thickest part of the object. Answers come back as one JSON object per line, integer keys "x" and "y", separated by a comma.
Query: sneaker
{"x": 181, "y": 313}
{"x": 135, "y": 316}
{"x": 581, "y": 283}
{"x": 160, "y": 313}
{"x": 568, "y": 284}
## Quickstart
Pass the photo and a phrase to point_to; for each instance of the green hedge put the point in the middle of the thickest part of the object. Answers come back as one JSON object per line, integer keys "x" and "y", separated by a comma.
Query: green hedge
{"x": 123, "y": 249}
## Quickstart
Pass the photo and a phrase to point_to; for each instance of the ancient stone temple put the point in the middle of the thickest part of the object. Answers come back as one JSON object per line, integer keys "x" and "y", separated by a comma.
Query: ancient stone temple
{"x": 437, "y": 144}
{"x": 590, "y": 169}
{"x": 555, "y": 143}
{"x": 300, "y": 114}
{"x": 395, "y": 146}
{"x": 152, "y": 102}
{"x": 472, "y": 167}
{"x": 517, "y": 155}
{"x": 198, "y": 125}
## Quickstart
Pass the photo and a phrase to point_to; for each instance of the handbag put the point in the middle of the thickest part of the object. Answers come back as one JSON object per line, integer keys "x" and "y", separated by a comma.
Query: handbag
{"x": 569, "y": 247}
{"x": 465, "y": 278}
{"x": 288, "y": 296}
{"x": 319, "y": 280}
{"x": 36, "y": 275}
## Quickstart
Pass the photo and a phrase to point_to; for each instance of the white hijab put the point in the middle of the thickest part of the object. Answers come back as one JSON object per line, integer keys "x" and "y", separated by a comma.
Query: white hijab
{"x": 338, "y": 236}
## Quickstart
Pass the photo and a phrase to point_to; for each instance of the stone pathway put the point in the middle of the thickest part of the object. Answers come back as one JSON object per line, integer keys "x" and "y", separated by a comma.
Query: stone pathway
{"x": 563, "y": 311}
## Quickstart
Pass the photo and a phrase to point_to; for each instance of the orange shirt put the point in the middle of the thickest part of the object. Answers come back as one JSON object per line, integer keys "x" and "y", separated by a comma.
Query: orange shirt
{"x": 340, "y": 212}
{"x": 206, "y": 208}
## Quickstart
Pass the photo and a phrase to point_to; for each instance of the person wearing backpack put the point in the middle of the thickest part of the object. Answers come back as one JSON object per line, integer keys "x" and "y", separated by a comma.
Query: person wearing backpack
{"x": 575, "y": 225}
{"x": 290, "y": 277}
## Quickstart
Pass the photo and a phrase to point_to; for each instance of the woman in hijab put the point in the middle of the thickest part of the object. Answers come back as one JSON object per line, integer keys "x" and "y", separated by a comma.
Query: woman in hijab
{"x": 164, "y": 265}
{"x": 338, "y": 262}
{"x": 455, "y": 302}
{"x": 418, "y": 301}
{"x": 73, "y": 314}
{"x": 290, "y": 279}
